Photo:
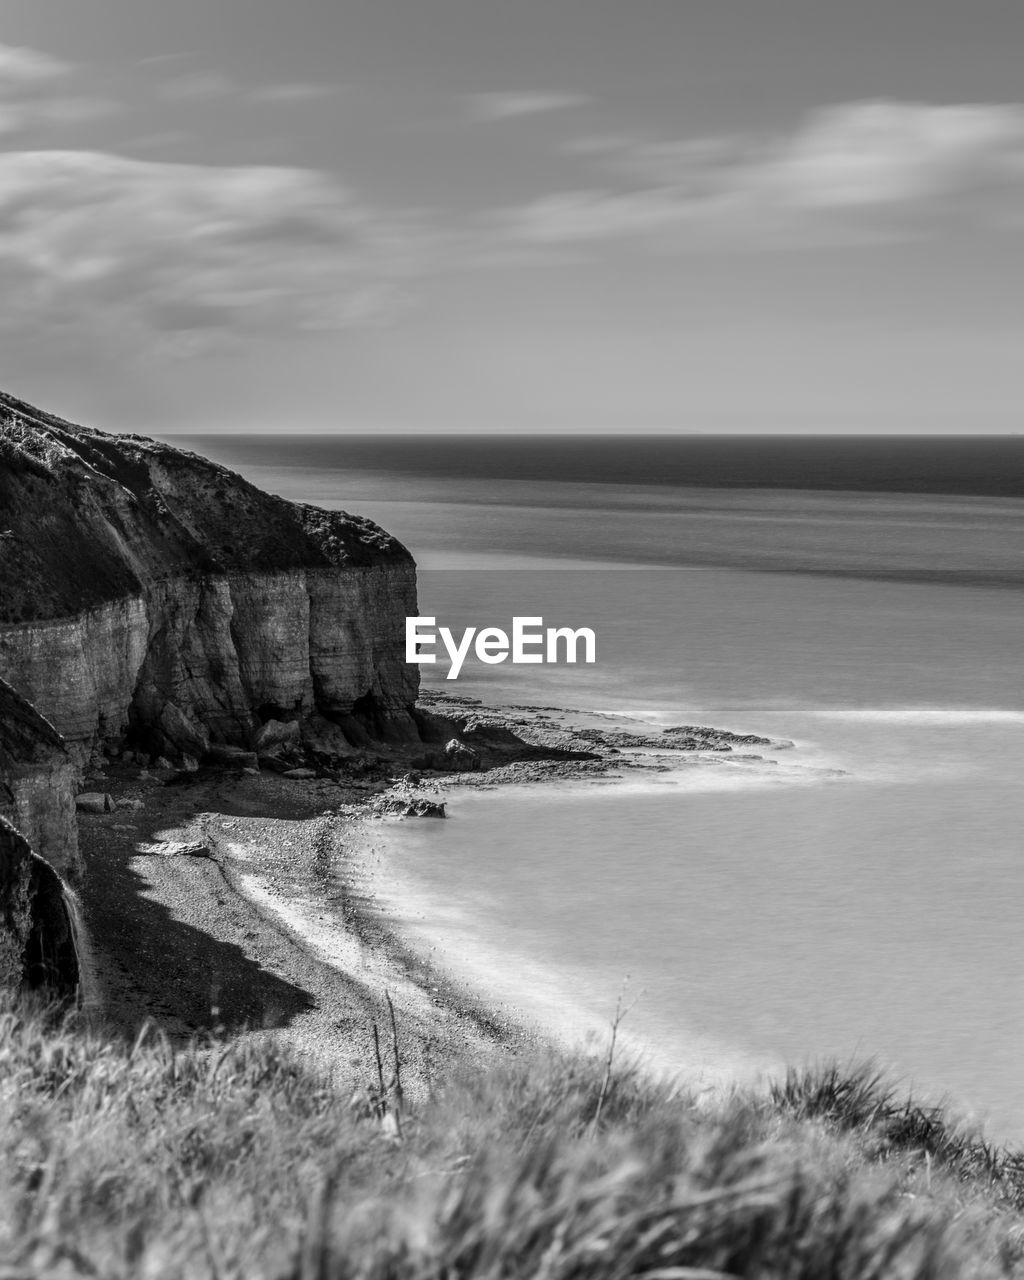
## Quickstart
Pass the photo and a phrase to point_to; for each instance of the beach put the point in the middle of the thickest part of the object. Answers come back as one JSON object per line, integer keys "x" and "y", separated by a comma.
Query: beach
{"x": 244, "y": 903}
{"x": 274, "y": 931}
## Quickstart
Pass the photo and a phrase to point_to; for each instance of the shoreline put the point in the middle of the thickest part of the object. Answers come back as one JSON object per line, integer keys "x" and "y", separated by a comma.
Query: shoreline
{"x": 284, "y": 924}
{"x": 241, "y": 941}
{"x": 556, "y": 1006}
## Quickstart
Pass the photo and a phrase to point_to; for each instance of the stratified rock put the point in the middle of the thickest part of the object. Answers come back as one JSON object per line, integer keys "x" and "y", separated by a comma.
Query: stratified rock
{"x": 150, "y": 592}
{"x": 94, "y": 802}
{"x": 37, "y": 781}
{"x": 37, "y": 937}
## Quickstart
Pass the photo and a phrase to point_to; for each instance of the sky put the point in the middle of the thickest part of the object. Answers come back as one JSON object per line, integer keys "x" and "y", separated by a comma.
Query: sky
{"x": 535, "y": 215}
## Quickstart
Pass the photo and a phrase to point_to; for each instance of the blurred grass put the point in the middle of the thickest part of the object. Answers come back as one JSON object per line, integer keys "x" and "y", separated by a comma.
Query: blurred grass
{"x": 233, "y": 1159}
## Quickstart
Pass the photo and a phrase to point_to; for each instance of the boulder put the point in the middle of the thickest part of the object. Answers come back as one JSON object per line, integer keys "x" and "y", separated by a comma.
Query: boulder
{"x": 326, "y": 738}
{"x": 94, "y": 802}
{"x": 176, "y": 849}
{"x": 232, "y": 757}
{"x": 299, "y": 773}
{"x": 460, "y": 758}
{"x": 410, "y": 807}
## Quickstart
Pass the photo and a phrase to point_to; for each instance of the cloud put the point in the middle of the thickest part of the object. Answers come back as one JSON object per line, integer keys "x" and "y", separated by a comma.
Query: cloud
{"x": 196, "y": 86}
{"x": 191, "y": 254}
{"x": 884, "y": 154}
{"x": 28, "y": 80}
{"x": 508, "y": 106}
{"x": 18, "y": 117}
{"x": 165, "y": 59}
{"x": 290, "y": 93}
{"x": 852, "y": 172}
{"x": 21, "y": 67}
{"x": 206, "y": 86}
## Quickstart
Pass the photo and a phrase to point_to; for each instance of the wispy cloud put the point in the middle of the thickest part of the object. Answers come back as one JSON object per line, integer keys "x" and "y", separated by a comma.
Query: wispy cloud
{"x": 180, "y": 256}
{"x": 21, "y": 67}
{"x": 165, "y": 59}
{"x": 196, "y": 86}
{"x": 34, "y": 93}
{"x": 854, "y": 171}
{"x": 207, "y": 86}
{"x": 19, "y": 117}
{"x": 191, "y": 253}
{"x": 508, "y": 106}
{"x": 286, "y": 94}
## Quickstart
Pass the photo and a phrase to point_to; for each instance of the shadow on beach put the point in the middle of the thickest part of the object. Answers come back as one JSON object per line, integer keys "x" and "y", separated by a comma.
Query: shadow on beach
{"x": 153, "y": 965}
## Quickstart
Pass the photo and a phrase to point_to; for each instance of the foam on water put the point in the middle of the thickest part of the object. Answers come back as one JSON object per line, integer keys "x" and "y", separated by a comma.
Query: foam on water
{"x": 933, "y": 717}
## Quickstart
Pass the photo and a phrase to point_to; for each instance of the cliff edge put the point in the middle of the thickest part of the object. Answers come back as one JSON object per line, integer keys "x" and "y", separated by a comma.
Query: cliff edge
{"x": 151, "y": 596}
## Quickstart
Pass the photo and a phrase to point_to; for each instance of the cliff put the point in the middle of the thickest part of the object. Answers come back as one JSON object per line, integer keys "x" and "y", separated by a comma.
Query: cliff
{"x": 149, "y": 595}
{"x": 152, "y": 599}
{"x": 37, "y": 935}
{"x": 37, "y": 780}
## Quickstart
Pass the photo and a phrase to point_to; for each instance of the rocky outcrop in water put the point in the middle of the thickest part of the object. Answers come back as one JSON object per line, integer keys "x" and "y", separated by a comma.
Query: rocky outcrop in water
{"x": 150, "y": 596}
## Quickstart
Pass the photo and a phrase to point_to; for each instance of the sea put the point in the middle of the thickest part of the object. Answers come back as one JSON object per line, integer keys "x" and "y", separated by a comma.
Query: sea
{"x": 857, "y": 896}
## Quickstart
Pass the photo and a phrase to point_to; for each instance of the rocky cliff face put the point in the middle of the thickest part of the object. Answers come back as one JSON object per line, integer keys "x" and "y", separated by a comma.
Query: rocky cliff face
{"x": 149, "y": 592}
{"x": 153, "y": 599}
{"x": 37, "y": 935}
{"x": 37, "y": 780}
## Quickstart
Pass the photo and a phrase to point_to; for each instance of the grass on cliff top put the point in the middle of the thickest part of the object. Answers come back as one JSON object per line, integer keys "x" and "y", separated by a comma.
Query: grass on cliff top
{"x": 234, "y": 1160}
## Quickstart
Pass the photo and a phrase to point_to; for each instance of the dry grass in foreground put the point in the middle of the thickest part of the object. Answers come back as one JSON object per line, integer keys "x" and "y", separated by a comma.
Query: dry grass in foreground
{"x": 233, "y": 1160}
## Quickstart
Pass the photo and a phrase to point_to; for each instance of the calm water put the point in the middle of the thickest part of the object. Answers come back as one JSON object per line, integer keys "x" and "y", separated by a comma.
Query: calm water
{"x": 858, "y": 895}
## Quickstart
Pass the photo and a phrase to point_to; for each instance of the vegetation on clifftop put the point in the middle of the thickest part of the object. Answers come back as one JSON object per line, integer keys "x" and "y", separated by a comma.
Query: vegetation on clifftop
{"x": 90, "y": 517}
{"x": 233, "y": 1159}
